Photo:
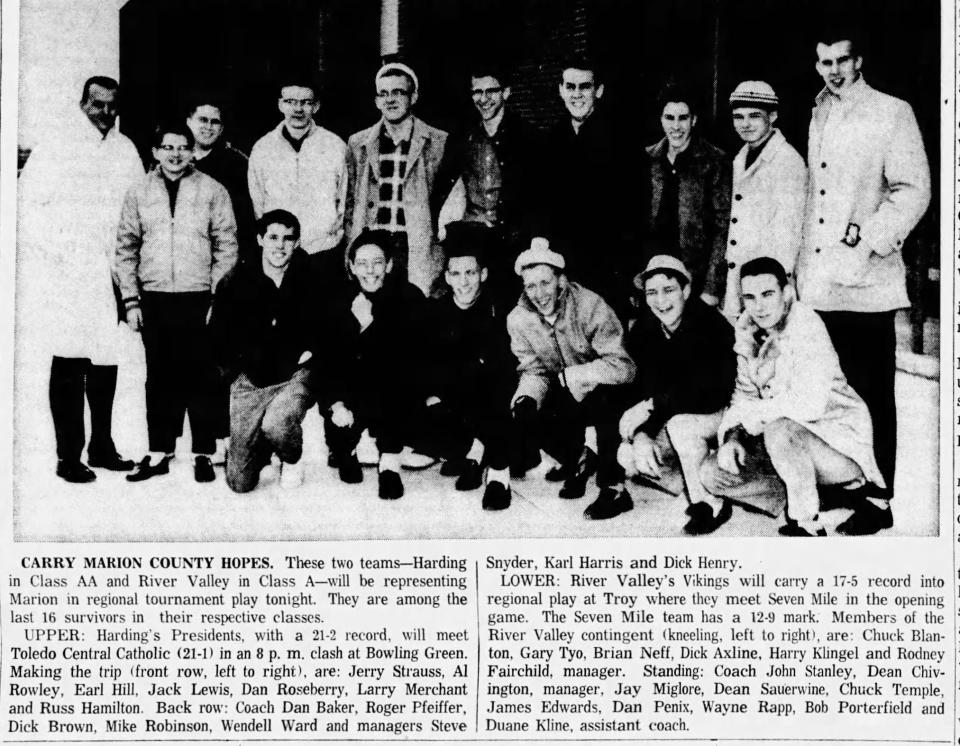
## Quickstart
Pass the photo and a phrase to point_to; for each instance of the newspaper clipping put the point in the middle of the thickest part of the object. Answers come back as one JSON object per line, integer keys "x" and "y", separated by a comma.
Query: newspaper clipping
{"x": 471, "y": 370}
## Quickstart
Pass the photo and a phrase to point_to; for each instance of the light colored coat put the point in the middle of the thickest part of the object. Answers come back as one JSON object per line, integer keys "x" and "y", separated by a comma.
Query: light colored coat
{"x": 187, "y": 253}
{"x": 312, "y": 183}
{"x": 795, "y": 374}
{"x": 867, "y": 167}
{"x": 425, "y": 259}
{"x": 71, "y": 192}
{"x": 766, "y": 213}
{"x": 586, "y": 342}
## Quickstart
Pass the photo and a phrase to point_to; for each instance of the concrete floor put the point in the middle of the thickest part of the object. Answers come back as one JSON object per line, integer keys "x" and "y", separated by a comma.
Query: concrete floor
{"x": 175, "y": 508}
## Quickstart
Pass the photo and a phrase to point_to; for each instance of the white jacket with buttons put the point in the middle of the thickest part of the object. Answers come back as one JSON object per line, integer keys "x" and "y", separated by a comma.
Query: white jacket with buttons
{"x": 868, "y": 168}
{"x": 766, "y": 212}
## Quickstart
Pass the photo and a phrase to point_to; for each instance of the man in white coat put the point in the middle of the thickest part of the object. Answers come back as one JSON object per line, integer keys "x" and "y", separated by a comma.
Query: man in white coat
{"x": 769, "y": 190}
{"x": 869, "y": 185}
{"x": 71, "y": 192}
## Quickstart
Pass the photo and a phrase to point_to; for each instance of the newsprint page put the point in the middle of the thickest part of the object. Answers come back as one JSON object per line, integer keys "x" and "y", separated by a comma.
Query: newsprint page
{"x": 479, "y": 371}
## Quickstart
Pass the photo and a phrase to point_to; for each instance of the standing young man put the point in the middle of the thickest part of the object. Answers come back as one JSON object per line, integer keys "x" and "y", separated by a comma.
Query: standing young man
{"x": 869, "y": 185}
{"x": 176, "y": 241}
{"x": 392, "y": 169}
{"x": 301, "y": 167}
{"x": 769, "y": 190}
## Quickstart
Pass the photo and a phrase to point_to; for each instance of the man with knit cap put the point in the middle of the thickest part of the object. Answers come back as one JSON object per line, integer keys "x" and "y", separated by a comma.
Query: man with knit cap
{"x": 869, "y": 186}
{"x": 572, "y": 364}
{"x": 769, "y": 190}
{"x": 392, "y": 167}
{"x": 301, "y": 167}
{"x": 681, "y": 389}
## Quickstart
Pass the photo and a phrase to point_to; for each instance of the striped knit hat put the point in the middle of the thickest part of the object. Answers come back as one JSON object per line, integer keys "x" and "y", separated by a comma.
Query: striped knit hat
{"x": 755, "y": 94}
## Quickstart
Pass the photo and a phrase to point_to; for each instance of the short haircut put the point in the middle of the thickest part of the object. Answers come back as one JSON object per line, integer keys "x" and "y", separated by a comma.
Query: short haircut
{"x": 280, "y": 217}
{"x": 678, "y": 94}
{"x": 172, "y": 127}
{"x": 100, "y": 80}
{"x": 379, "y": 238}
{"x": 841, "y": 30}
{"x": 198, "y": 100}
{"x": 298, "y": 81}
{"x": 583, "y": 62}
{"x": 489, "y": 68}
{"x": 765, "y": 265}
{"x": 460, "y": 250}
{"x": 670, "y": 274}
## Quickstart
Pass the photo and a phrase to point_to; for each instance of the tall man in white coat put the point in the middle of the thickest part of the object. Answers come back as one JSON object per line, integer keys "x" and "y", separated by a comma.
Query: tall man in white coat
{"x": 71, "y": 192}
{"x": 869, "y": 185}
{"x": 769, "y": 190}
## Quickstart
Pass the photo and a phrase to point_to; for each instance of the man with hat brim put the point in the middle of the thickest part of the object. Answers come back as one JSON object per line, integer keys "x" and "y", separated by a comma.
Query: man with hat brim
{"x": 769, "y": 190}
{"x": 681, "y": 388}
{"x": 572, "y": 364}
{"x": 392, "y": 167}
{"x": 472, "y": 372}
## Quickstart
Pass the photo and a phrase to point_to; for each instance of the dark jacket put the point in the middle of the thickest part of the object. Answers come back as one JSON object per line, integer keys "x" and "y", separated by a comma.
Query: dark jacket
{"x": 517, "y": 146}
{"x": 260, "y": 329}
{"x": 593, "y": 197}
{"x": 691, "y": 372}
{"x": 469, "y": 345}
{"x": 704, "y": 210}
{"x": 228, "y": 165}
{"x": 390, "y": 354}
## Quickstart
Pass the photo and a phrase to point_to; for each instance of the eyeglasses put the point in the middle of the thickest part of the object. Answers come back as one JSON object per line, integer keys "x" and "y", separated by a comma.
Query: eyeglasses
{"x": 394, "y": 93}
{"x": 177, "y": 148}
{"x": 481, "y": 92}
{"x": 297, "y": 102}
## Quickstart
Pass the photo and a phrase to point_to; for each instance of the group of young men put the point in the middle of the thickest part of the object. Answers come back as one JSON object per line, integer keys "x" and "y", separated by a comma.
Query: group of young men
{"x": 733, "y": 343}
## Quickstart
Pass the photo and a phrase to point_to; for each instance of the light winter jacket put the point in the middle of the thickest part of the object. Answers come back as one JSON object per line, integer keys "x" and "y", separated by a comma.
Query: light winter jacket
{"x": 312, "y": 184}
{"x": 587, "y": 338}
{"x": 766, "y": 213}
{"x": 868, "y": 167}
{"x": 188, "y": 252}
{"x": 795, "y": 374}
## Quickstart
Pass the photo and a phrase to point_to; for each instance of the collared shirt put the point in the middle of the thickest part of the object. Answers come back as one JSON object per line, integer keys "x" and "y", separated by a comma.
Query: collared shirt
{"x": 391, "y": 173}
{"x": 667, "y": 220}
{"x": 484, "y": 178}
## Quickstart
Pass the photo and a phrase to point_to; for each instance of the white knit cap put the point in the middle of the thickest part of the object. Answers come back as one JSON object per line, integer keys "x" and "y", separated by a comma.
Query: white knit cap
{"x": 392, "y": 67}
{"x": 539, "y": 253}
{"x": 754, "y": 93}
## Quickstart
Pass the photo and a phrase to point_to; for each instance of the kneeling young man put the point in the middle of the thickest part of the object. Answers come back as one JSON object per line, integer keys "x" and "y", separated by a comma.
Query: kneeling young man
{"x": 262, "y": 326}
{"x": 473, "y": 371}
{"x": 684, "y": 382}
{"x": 377, "y": 369}
{"x": 572, "y": 364}
{"x": 793, "y": 415}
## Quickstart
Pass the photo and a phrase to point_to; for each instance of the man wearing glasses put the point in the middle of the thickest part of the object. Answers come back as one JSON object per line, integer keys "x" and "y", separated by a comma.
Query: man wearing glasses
{"x": 392, "y": 167}
{"x": 300, "y": 166}
{"x": 176, "y": 241}
{"x": 495, "y": 159}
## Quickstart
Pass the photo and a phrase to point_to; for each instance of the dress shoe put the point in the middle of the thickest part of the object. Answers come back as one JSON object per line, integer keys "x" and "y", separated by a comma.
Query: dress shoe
{"x": 75, "y": 472}
{"x": 390, "y": 486}
{"x": 867, "y": 519}
{"x": 496, "y": 496}
{"x": 609, "y": 504}
{"x": 471, "y": 477}
{"x": 203, "y": 469}
{"x": 704, "y": 521}
{"x": 145, "y": 470}
{"x": 110, "y": 462}
{"x": 792, "y": 528}
{"x": 349, "y": 468}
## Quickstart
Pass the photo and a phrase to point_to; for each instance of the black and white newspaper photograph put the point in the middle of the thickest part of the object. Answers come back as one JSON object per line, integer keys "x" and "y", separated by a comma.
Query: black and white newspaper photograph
{"x": 479, "y": 370}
